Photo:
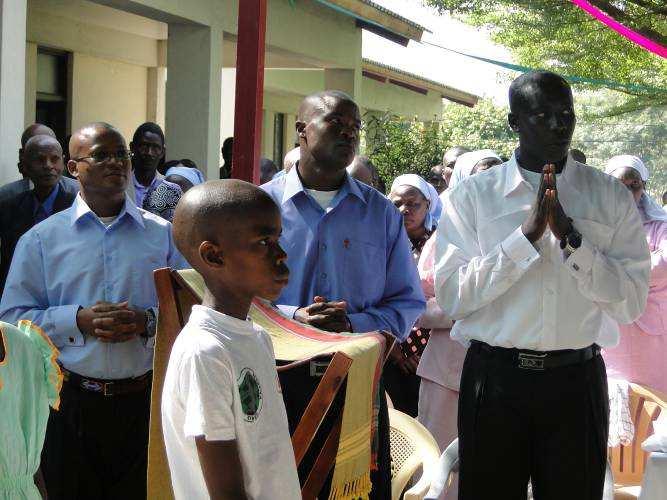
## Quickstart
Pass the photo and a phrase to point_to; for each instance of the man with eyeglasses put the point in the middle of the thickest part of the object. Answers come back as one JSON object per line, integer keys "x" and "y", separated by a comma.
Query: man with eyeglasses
{"x": 84, "y": 276}
{"x": 149, "y": 189}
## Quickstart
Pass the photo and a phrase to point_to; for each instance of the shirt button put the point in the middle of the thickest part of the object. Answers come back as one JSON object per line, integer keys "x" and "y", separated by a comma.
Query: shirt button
{"x": 324, "y": 276}
{"x": 324, "y": 246}
{"x": 71, "y": 340}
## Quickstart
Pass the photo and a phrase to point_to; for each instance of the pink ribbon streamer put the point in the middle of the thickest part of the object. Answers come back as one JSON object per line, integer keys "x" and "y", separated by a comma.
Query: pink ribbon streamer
{"x": 622, "y": 30}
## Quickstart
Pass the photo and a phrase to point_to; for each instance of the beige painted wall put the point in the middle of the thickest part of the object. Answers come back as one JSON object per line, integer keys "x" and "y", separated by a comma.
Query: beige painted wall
{"x": 377, "y": 96}
{"x": 110, "y": 91}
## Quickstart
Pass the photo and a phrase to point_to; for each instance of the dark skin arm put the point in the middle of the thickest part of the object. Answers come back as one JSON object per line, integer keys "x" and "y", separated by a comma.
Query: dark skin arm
{"x": 39, "y": 482}
{"x": 221, "y": 467}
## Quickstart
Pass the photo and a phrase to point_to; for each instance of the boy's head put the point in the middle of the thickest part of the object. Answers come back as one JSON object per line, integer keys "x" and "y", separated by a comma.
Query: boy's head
{"x": 228, "y": 230}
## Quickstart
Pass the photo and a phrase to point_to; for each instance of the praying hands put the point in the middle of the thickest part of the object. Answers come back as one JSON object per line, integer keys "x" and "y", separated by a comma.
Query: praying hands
{"x": 547, "y": 210}
{"x": 111, "y": 322}
{"x": 325, "y": 315}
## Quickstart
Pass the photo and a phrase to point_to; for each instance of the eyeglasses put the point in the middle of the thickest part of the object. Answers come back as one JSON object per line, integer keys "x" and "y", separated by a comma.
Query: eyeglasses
{"x": 106, "y": 156}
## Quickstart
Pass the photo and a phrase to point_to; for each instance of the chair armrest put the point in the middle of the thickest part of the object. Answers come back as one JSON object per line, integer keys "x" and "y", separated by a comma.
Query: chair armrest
{"x": 448, "y": 463}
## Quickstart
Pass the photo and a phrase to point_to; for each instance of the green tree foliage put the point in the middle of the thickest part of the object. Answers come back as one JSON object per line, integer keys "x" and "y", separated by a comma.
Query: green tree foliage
{"x": 398, "y": 145}
{"x": 557, "y": 35}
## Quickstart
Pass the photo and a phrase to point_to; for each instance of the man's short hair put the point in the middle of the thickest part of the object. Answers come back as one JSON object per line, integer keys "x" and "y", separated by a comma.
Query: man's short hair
{"x": 151, "y": 127}
{"x": 319, "y": 101}
{"x": 527, "y": 82}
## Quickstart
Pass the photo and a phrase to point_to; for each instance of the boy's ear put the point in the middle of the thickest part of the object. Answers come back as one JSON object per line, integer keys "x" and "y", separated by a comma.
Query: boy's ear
{"x": 211, "y": 254}
{"x": 513, "y": 122}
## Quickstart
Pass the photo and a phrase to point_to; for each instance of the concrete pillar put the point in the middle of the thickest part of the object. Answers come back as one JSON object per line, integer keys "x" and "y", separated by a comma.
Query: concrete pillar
{"x": 30, "y": 83}
{"x": 194, "y": 64}
{"x": 347, "y": 80}
{"x": 12, "y": 84}
{"x": 268, "y": 126}
{"x": 155, "y": 99}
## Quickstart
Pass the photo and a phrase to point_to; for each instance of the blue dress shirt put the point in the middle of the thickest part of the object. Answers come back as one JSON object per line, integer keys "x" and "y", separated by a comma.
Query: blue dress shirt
{"x": 72, "y": 260}
{"x": 357, "y": 250}
{"x": 45, "y": 209}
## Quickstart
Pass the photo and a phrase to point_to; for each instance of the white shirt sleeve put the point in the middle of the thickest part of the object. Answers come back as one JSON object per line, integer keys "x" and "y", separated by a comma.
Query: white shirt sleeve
{"x": 466, "y": 280}
{"x": 207, "y": 386}
{"x": 617, "y": 281}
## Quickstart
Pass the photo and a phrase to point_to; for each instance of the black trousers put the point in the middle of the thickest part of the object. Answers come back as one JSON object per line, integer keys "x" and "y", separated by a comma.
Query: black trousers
{"x": 548, "y": 426}
{"x": 97, "y": 446}
{"x": 402, "y": 389}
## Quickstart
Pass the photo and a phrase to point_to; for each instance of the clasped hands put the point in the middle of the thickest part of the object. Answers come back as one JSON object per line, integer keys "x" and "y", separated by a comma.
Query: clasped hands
{"x": 325, "y": 315}
{"x": 547, "y": 210}
{"x": 111, "y": 322}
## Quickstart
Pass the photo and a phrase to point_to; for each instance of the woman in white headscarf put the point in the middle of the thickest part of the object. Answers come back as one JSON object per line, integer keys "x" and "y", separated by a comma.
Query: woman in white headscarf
{"x": 420, "y": 207}
{"x": 641, "y": 355}
{"x": 471, "y": 163}
{"x": 186, "y": 177}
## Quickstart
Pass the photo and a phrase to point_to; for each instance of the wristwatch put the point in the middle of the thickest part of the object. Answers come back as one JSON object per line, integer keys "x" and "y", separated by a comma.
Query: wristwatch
{"x": 571, "y": 242}
{"x": 151, "y": 324}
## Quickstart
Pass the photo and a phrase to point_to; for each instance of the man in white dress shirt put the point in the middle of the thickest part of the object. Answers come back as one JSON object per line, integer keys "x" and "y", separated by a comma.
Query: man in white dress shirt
{"x": 530, "y": 256}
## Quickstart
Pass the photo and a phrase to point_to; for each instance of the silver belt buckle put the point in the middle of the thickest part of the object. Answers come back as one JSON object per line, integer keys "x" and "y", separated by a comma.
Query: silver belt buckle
{"x": 531, "y": 361}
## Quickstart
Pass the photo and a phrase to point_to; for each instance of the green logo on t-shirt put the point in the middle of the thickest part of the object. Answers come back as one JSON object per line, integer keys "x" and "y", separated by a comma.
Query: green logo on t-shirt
{"x": 251, "y": 394}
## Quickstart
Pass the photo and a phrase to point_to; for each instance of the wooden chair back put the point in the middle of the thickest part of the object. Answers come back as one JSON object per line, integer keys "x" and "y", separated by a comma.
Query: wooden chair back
{"x": 628, "y": 462}
{"x": 176, "y": 299}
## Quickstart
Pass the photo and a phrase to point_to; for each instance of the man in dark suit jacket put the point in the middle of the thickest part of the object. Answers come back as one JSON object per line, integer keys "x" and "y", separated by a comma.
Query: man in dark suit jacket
{"x": 43, "y": 164}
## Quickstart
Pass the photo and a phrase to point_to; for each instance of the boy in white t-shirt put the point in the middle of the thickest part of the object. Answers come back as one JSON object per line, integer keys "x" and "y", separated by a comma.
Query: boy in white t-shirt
{"x": 223, "y": 416}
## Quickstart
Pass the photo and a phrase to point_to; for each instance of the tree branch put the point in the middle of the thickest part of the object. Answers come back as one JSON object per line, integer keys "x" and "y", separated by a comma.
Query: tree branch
{"x": 622, "y": 16}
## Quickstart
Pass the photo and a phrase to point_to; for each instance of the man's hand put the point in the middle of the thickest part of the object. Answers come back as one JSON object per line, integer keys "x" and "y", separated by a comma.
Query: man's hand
{"x": 407, "y": 365}
{"x": 111, "y": 322}
{"x": 534, "y": 226}
{"x": 559, "y": 223}
{"x": 325, "y": 315}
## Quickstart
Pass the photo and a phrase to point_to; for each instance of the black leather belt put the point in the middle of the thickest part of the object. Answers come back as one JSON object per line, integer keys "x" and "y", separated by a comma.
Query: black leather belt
{"x": 536, "y": 360}
{"x": 108, "y": 387}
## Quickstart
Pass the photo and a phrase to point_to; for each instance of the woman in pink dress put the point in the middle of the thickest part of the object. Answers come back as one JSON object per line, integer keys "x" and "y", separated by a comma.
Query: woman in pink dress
{"x": 442, "y": 361}
{"x": 641, "y": 354}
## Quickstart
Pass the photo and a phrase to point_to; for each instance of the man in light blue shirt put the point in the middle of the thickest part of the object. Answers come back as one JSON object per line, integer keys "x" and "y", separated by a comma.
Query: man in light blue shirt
{"x": 85, "y": 276}
{"x": 345, "y": 242}
{"x": 351, "y": 268}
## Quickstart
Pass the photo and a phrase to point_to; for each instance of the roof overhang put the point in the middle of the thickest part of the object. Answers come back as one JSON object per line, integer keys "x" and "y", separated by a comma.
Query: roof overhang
{"x": 377, "y": 19}
{"x": 410, "y": 81}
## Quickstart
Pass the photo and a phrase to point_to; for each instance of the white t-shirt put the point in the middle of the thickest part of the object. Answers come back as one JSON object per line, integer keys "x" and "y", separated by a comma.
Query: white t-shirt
{"x": 222, "y": 384}
{"x": 323, "y": 198}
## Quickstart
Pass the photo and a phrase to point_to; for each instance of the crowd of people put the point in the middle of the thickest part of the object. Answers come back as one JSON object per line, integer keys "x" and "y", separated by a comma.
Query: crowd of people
{"x": 507, "y": 283}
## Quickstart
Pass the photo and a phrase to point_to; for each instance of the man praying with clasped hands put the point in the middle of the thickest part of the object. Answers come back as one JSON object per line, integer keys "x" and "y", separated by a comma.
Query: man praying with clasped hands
{"x": 530, "y": 257}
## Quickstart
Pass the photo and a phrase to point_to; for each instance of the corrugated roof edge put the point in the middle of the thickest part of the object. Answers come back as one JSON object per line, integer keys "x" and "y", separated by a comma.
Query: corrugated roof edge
{"x": 394, "y": 14}
{"x": 414, "y": 75}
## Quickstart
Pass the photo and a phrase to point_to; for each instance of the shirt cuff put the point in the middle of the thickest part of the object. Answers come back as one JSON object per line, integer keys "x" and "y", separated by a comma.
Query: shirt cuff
{"x": 580, "y": 262}
{"x": 364, "y": 323}
{"x": 517, "y": 247}
{"x": 65, "y": 327}
{"x": 287, "y": 310}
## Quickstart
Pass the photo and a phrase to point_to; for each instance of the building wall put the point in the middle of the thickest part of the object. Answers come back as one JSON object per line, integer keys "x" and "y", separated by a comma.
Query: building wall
{"x": 377, "y": 96}
{"x": 107, "y": 90}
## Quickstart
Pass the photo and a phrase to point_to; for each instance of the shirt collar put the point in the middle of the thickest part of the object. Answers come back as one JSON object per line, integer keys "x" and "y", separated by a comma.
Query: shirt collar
{"x": 138, "y": 185}
{"x": 81, "y": 209}
{"x": 293, "y": 186}
{"x": 47, "y": 204}
{"x": 514, "y": 179}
